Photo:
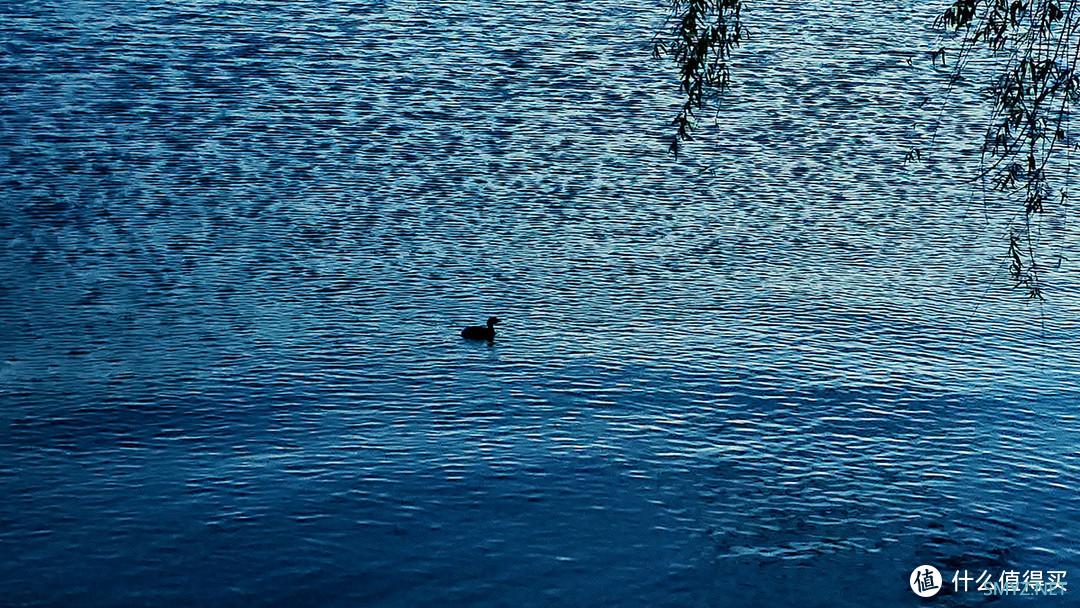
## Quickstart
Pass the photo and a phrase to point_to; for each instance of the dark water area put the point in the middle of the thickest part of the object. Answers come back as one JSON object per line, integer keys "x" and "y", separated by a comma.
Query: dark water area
{"x": 238, "y": 241}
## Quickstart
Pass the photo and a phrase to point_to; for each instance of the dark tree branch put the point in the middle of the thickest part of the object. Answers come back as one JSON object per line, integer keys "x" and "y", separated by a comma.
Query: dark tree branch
{"x": 1034, "y": 94}
{"x": 699, "y": 37}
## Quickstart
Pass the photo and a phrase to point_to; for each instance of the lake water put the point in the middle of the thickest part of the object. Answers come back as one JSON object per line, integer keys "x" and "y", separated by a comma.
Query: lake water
{"x": 238, "y": 241}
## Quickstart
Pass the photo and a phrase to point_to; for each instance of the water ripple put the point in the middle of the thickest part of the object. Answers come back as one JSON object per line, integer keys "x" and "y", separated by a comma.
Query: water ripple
{"x": 238, "y": 241}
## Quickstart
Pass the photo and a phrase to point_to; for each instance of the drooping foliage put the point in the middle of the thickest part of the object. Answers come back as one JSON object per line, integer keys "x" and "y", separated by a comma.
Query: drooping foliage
{"x": 699, "y": 36}
{"x": 1036, "y": 46}
{"x": 1027, "y": 148}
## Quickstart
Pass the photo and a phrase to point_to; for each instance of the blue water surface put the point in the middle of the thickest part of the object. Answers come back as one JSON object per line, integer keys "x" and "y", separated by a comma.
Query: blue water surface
{"x": 238, "y": 240}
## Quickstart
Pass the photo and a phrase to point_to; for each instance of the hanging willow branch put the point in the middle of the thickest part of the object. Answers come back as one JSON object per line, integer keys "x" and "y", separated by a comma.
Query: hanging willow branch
{"x": 1034, "y": 94}
{"x": 699, "y": 37}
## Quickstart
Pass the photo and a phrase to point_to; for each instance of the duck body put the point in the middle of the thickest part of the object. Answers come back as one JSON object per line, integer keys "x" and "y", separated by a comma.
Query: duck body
{"x": 481, "y": 332}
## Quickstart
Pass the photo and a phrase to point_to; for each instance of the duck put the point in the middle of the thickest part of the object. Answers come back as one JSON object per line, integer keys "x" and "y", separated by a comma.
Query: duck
{"x": 479, "y": 332}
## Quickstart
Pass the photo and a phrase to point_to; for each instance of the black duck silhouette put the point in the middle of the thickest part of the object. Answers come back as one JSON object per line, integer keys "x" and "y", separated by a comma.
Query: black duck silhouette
{"x": 479, "y": 332}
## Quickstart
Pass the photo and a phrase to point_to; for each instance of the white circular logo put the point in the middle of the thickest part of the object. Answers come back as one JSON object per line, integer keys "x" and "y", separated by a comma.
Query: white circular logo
{"x": 925, "y": 581}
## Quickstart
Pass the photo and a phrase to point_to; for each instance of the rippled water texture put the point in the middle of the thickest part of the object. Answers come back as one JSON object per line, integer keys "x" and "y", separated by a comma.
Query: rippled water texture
{"x": 239, "y": 240}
